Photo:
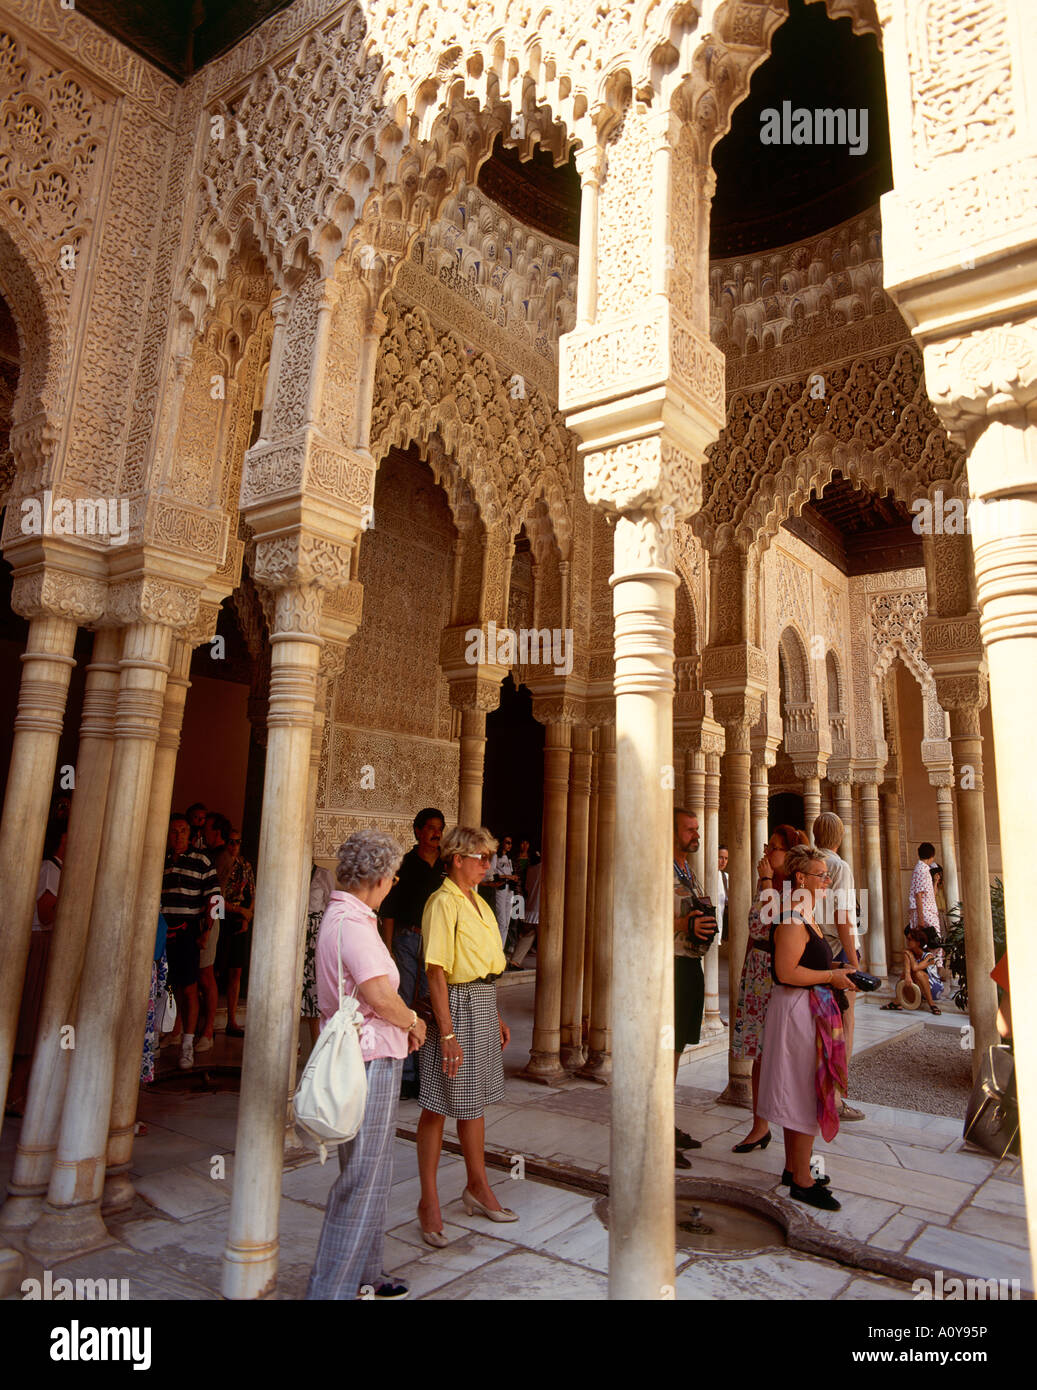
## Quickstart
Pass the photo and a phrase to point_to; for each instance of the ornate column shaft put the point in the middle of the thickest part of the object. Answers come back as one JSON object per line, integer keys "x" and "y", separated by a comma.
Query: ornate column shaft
{"x": 712, "y": 1023}
{"x": 544, "y": 1064}
{"x": 592, "y": 883}
{"x": 250, "y": 1258}
{"x": 894, "y": 906}
{"x": 695, "y": 800}
{"x": 948, "y": 852}
{"x": 759, "y": 807}
{"x": 811, "y": 804}
{"x": 46, "y": 668}
{"x": 470, "y": 774}
{"x": 38, "y": 1137}
{"x": 576, "y": 841}
{"x": 71, "y": 1217}
{"x": 844, "y": 810}
{"x": 967, "y": 751}
{"x": 119, "y": 1191}
{"x": 598, "y": 1066}
{"x": 738, "y": 714}
{"x": 874, "y": 943}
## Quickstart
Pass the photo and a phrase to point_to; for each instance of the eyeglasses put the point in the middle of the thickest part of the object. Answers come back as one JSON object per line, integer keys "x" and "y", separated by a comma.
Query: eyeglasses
{"x": 482, "y": 858}
{"x": 234, "y": 841}
{"x": 824, "y": 878}
{"x": 395, "y": 878}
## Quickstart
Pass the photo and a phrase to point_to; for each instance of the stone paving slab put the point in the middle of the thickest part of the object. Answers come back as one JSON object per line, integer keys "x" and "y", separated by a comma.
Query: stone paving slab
{"x": 514, "y": 1275}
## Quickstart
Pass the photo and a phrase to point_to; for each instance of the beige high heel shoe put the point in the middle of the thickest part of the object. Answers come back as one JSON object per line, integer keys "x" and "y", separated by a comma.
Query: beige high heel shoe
{"x": 434, "y": 1238}
{"x": 473, "y": 1205}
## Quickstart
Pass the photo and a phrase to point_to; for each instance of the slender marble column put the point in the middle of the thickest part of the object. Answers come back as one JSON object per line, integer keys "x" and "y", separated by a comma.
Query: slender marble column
{"x": 473, "y": 756}
{"x": 759, "y": 803}
{"x": 811, "y": 804}
{"x": 598, "y": 1066}
{"x": 576, "y": 838}
{"x": 712, "y": 1023}
{"x": 119, "y": 1191}
{"x": 38, "y": 1137}
{"x": 695, "y": 801}
{"x": 46, "y": 668}
{"x": 641, "y": 1198}
{"x": 967, "y": 751}
{"x": 874, "y": 943}
{"x": 71, "y": 1217}
{"x": 737, "y": 769}
{"x": 250, "y": 1257}
{"x": 844, "y": 810}
{"x": 544, "y": 1063}
{"x": 592, "y": 883}
{"x": 948, "y": 853}
{"x": 894, "y": 903}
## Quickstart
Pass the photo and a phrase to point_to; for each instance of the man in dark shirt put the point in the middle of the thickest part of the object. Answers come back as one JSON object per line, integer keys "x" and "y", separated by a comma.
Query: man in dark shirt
{"x": 191, "y": 903}
{"x": 420, "y": 874}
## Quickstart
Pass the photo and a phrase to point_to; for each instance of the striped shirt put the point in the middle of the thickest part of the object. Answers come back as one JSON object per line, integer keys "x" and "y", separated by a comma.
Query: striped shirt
{"x": 189, "y": 886}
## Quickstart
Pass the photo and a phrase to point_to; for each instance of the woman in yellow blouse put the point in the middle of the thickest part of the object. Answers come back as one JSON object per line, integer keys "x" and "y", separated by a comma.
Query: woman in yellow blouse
{"x": 460, "y": 1064}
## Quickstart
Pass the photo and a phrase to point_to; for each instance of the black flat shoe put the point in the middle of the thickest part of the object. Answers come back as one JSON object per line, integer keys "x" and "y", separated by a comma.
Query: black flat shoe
{"x": 816, "y": 1196}
{"x": 679, "y": 1161}
{"x": 756, "y": 1144}
{"x": 786, "y": 1179}
{"x": 685, "y": 1141}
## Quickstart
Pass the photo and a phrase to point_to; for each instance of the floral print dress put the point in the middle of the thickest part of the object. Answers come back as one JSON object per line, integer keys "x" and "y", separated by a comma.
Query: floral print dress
{"x": 754, "y": 990}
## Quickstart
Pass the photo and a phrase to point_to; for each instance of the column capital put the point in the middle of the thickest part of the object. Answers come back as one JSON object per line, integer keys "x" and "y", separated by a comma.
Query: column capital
{"x": 962, "y": 692}
{"x": 468, "y": 651}
{"x": 988, "y": 371}
{"x": 840, "y": 773}
{"x": 49, "y": 592}
{"x": 869, "y": 774}
{"x": 558, "y": 709}
{"x": 941, "y": 777}
{"x": 299, "y": 556}
{"x": 475, "y": 691}
{"x": 811, "y": 769}
{"x": 736, "y": 670}
{"x": 953, "y": 645}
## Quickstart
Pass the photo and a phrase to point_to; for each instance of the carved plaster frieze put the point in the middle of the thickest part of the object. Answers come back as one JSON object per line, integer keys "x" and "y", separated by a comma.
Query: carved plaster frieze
{"x": 737, "y": 669}
{"x": 952, "y": 639}
{"x": 176, "y": 527}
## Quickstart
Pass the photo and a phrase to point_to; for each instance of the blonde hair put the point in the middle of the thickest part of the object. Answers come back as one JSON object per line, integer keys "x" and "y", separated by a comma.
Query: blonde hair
{"x": 798, "y": 860}
{"x": 828, "y": 831}
{"x": 466, "y": 839}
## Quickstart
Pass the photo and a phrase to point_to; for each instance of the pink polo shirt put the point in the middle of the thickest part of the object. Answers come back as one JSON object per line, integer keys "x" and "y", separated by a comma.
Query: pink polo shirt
{"x": 364, "y": 957}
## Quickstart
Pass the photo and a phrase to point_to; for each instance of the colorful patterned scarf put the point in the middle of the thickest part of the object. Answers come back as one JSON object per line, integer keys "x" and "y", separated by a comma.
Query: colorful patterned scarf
{"x": 830, "y": 1075}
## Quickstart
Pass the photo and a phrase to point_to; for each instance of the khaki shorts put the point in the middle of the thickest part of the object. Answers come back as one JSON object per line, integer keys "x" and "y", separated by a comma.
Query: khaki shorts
{"x": 208, "y": 955}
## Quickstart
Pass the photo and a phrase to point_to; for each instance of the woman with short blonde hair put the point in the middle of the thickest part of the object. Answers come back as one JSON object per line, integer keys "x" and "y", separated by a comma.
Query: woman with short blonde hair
{"x": 803, "y": 1073}
{"x": 461, "y": 1065}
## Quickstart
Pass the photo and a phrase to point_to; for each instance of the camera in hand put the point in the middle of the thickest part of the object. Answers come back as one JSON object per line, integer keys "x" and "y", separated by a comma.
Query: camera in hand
{"x": 707, "y": 909}
{"x": 864, "y": 982}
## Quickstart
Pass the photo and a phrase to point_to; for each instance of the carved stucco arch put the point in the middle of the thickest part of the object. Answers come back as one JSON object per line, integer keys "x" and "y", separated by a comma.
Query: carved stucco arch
{"x": 792, "y": 655}
{"x": 38, "y": 304}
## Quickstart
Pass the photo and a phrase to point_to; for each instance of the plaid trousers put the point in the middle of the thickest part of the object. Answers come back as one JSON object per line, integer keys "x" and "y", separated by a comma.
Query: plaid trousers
{"x": 352, "y": 1239}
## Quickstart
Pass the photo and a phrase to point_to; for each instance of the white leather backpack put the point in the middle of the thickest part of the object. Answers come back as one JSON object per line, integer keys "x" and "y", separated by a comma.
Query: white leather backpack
{"x": 328, "y": 1105}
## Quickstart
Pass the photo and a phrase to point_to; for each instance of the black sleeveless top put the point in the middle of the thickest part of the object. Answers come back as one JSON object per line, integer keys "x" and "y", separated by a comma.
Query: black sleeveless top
{"x": 817, "y": 954}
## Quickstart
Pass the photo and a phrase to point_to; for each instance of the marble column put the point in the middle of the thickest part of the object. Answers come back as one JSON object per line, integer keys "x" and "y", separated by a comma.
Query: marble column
{"x": 38, "y": 1136}
{"x": 896, "y": 921}
{"x": 811, "y": 804}
{"x": 544, "y": 1063}
{"x": 71, "y": 1217}
{"x": 967, "y": 751}
{"x": 759, "y": 806}
{"x": 844, "y": 810}
{"x": 712, "y": 1023}
{"x": 948, "y": 853}
{"x": 576, "y": 842}
{"x": 119, "y": 1191}
{"x": 737, "y": 769}
{"x": 46, "y": 668}
{"x": 250, "y": 1257}
{"x": 592, "y": 885}
{"x": 695, "y": 801}
{"x": 874, "y": 941}
{"x": 470, "y": 777}
{"x": 641, "y": 1197}
{"x": 598, "y": 1066}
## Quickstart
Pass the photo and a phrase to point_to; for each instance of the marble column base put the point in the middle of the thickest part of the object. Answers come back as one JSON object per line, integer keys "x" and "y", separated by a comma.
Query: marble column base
{"x": 67, "y": 1231}
{"x": 738, "y": 1091}
{"x": 545, "y": 1068}
{"x": 12, "y": 1270}
{"x": 119, "y": 1192}
{"x": 21, "y": 1210}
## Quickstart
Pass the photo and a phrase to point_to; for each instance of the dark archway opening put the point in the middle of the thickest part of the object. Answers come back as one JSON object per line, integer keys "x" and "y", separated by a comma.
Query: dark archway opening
{"x": 513, "y": 774}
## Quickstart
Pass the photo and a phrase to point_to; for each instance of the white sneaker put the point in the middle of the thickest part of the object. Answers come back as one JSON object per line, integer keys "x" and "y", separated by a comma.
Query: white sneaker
{"x": 186, "y": 1057}
{"x": 202, "y": 1044}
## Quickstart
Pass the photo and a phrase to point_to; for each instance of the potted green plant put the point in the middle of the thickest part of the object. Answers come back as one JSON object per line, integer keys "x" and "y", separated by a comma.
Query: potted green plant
{"x": 954, "y": 942}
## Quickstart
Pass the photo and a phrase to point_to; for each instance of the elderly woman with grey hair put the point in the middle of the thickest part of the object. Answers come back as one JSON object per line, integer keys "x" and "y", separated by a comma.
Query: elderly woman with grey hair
{"x": 352, "y": 1239}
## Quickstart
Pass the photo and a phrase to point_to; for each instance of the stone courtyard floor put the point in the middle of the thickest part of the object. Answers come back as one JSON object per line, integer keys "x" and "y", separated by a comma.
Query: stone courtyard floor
{"x": 915, "y": 1197}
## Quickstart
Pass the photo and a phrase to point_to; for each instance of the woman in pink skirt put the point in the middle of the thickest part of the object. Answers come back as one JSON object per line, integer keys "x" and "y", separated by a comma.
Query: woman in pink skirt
{"x": 803, "y": 1074}
{"x": 754, "y": 989}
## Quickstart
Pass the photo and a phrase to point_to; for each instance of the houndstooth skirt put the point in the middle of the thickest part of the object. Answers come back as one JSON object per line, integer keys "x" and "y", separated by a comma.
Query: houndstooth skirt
{"x": 480, "y": 1078}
